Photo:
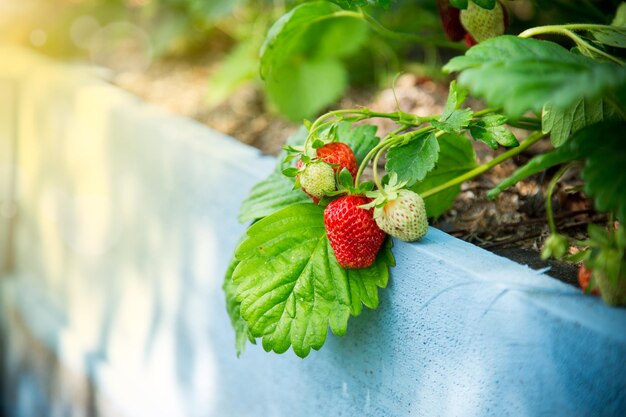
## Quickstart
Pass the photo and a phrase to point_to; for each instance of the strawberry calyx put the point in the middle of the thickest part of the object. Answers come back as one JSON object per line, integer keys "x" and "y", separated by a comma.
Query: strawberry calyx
{"x": 399, "y": 212}
{"x": 381, "y": 197}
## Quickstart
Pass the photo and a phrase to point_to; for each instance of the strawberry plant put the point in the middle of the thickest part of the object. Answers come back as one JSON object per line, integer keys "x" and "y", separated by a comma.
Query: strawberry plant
{"x": 306, "y": 266}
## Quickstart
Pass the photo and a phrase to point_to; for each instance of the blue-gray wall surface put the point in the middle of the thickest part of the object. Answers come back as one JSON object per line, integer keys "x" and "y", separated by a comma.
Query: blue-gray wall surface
{"x": 126, "y": 221}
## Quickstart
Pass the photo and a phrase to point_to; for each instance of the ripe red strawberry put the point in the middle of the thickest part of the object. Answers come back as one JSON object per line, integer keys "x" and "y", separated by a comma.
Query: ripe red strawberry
{"x": 584, "y": 275}
{"x": 318, "y": 184}
{"x": 483, "y": 24}
{"x": 450, "y": 20}
{"x": 339, "y": 154}
{"x": 352, "y": 231}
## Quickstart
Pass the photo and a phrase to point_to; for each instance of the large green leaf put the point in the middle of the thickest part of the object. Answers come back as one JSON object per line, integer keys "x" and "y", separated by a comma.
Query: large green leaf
{"x": 276, "y": 191}
{"x": 603, "y": 147}
{"x": 270, "y": 195}
{"x": 300, "y": 58}
{"x": 233, "y": 309}
{"x": 456, "y": 156}
{"x": 563, "y": 123}
{"x": 299, "y": 92}
{"x": 411, "y": 162}
{"x": 239, "y": 67}
{"x": 360, "y": 3}
{"x": 525, "y": 74}
{"x": 290, "y": 286}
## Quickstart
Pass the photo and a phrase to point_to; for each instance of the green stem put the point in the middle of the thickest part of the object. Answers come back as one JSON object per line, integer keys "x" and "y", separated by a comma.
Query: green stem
{"x": 405, "y": 119}
{"x": 550, "y": 192}
{"x": 531, "y": 140}
{"x": 379, "y": 186}
{"x": 485, "y": 112}
{"x": 565, "y": 31}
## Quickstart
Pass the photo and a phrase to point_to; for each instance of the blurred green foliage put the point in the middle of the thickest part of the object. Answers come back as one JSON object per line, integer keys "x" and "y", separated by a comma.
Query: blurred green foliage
{"x": 306, "y": 71}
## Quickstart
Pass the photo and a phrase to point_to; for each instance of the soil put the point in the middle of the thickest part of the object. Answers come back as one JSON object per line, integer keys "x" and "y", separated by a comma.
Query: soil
{"x": 513, "y": 225}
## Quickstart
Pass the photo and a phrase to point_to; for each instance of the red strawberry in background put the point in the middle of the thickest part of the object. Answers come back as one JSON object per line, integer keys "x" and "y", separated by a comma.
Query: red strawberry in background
{"x": 337, "y": 154}
{"x": 352, "y": 231}
{"x": 450, "y": 20}
{"x": 584, "y": 276}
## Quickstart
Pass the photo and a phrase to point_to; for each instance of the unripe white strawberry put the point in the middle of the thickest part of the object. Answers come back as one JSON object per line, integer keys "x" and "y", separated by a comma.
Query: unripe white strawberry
{"x": 483, "y": 24}
{"x": 404, "y": 217}
{"x": 317, "y": 179}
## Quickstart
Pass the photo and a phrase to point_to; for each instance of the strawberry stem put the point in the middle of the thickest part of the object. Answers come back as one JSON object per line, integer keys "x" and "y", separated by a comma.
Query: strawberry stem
{"x": 550, "y": 191}
{"x": 568, "y": 30}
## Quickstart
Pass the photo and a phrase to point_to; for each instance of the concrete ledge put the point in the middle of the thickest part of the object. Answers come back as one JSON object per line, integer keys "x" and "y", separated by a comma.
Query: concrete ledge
{"x": 126, "y": 222}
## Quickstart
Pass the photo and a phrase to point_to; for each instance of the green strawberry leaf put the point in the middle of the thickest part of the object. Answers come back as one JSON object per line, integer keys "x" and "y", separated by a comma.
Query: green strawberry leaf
{"x": 238, "y": 68}
{"x": 456, "y": 156}
{"x": 524, "y": 74}
{"x": 233, "y": 309}
{"x": 361, "y": 3}
{"x": 411, "y": 162}
{"x": 276, "y": 191}
{"x": 459, "y": 4}
{"x": 489, "y": 129}
{"x": 300, "y": 60}
{"x": 456, "y": 97}
{"x": 620, "y": 15}
{"x": 563, "y": 123}
{"x": 457, "y": 121}
{"x": 452, "y": 118}
{"x": 301, "y": 91}
{"x": 602, "y": 145}
{"x": 611, "y": 36}
{"x": 361, "y": 139}
{"x": 485, "y": 4}
{"x": 270, "y": 195}
{"x": 290, "y": 286}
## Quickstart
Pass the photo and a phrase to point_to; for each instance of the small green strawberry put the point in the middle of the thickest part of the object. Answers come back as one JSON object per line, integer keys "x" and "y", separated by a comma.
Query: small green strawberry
{"x": 612, "y": 291}
{"x": 317, "y": 179}
{"x": 404, "y": 217}
{"x": 398, "y": 212}
{"x": 555, "y": 246}
{"x": 483, "y": 24}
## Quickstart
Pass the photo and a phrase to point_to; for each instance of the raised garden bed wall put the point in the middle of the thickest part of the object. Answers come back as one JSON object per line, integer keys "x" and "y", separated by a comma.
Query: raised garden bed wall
{"x": 111, "y": 301}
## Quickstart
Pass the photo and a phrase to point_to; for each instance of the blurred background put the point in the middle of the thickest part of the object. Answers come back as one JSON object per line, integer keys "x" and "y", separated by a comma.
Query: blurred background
{"x": 112, "y": 249}
{"x": 199, "y": 58}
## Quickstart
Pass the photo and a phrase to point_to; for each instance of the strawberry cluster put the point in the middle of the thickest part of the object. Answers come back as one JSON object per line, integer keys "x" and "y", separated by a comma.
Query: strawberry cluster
{"x": 473, "y": 24}
{"x": 357, "y": 222}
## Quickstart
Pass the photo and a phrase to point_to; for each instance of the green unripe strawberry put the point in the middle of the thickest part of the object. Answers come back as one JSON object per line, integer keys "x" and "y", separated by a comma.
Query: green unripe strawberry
{"x": 613, "y": 292}
{"x": 317, "y": 179}
{"x": 404, "y": 217}
{"x": 483, "y": 24}
{"x": 555, "y": 246}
